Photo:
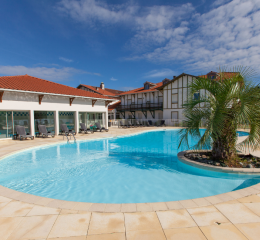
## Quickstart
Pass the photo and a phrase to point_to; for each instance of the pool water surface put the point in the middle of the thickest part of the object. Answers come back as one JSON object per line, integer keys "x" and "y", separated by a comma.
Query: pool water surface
{"x": 132, "y": 169}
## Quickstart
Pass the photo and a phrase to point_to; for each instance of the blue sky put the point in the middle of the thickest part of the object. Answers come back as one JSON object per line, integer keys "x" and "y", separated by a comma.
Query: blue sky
{"x": 125, "y": 43}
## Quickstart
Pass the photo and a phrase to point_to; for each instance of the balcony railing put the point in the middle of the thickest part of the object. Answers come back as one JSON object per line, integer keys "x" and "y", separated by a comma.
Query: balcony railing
{"x": 140, "y": 107}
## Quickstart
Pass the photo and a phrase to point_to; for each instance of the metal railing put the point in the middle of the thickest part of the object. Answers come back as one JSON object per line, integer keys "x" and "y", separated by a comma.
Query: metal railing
{"x": 143, "y": 106}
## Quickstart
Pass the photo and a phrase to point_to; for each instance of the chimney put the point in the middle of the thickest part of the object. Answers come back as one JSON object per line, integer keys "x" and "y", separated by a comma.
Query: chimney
{"x": 102, "y": 85}
{"x": 174, "y": 77}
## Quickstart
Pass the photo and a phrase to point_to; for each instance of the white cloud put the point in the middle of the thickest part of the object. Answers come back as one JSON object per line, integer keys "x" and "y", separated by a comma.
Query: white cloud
{"x": 163, "y": 73}
{"x": 227, "y": 34}
{"x": 66, "y": 59}
{"x": 55, "y": 74}
{"x": 113, "y": 79}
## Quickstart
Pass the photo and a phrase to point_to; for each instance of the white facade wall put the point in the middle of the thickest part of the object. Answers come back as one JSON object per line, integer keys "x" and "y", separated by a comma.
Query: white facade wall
{"x": 21, "y": 101}
{"x": 173, "y": 105}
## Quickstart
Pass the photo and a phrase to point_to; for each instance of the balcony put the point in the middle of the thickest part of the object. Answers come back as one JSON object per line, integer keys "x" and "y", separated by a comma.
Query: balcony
{"x": 140, "y": 107}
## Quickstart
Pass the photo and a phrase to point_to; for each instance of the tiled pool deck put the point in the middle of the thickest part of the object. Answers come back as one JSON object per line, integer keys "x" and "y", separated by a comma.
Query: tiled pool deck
{"x": 229, "y": 216}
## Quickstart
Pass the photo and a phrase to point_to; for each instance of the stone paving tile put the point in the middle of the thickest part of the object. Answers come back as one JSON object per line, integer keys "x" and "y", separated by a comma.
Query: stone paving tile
{"x": 143, "y": 207}
{"x": 235, "y": 194}
{"x": 225, "y": 197}
{"x": 252, "y": 190}
{"x": 2, "y": 204}
{"x": 113, "y": 236}
{"x": 8, "y": 225}
{"x": 201, "y": 202}
{"x": 250, "y": 230}
{"x": 213, "y": 200}
{"x": 237, "y": 213}
{"x": 5, "y": 199}
{"x": 28, "y": 198}
{"x": 55, "y": 203}
{"x": 191, "y": 233}
{"x": 146, "y": 235}
{"x": 250, "y": 199}
{"x": 82, "y": 206}
{"x": 174, "y": 205}
{"x": 142, "y": 221}
{"x": 254, "y": 207}
{"x": 70, "y": 225}
{"x": 68, "y": 211}
{"x": 128, "y": 207}
{"x": 175, "y": 219}
{"x": 68, "y": 205}
{"x": 41, "y": 210}
{"x": 209, "y": 218}
{"x": 158, "y": 206}
{"x": 69, "y": 238}
{"x": 113, "y": 208}
{"x": 44, "y": 201}
{"x": 15, "y": 209}
{"x": 188, "y": 203}
{"x": 199, "y": 210}
{"x": 225, "y": 231}
{"x": 101, "y": 223}
{"x": 34, "y": 227}
{"x": 97, "y": 207}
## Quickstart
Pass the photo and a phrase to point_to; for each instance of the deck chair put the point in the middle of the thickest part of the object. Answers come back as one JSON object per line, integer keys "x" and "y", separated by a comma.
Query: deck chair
{"x": 101, "y": 129}
{"x": 139, "y": 124}
{"x": 22, "y": 133}
{"x": 43, "y": 131}
{"x": 84, "y": 129}
{"x": 149, "y": 123}
{"x": 130, "y": 124}
{"x": 162, "y": 123}
{"x": 64, "y": 129}
{"x": 121, "y": 125}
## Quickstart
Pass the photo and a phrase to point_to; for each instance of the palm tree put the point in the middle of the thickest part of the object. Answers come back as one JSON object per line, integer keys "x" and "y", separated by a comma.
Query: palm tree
{"x": 229, "y": 102}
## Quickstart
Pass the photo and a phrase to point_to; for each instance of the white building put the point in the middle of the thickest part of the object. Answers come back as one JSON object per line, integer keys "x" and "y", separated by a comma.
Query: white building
{"x": 29, "y": 101}
{"x": 175, "y": 94}
{"x": 145, "y": 103}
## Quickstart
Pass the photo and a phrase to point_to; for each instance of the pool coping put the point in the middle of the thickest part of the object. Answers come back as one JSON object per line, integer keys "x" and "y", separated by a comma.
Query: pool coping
{"x": 182, "y": 158}
{"x": 124, "y": 207}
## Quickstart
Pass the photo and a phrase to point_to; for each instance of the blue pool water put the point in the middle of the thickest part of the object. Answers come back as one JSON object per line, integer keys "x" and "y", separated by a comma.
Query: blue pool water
{"x": 132, "y": 169}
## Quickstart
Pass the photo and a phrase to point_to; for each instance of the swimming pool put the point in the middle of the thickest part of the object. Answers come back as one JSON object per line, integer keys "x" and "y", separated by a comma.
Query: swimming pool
{"x": 132, "y": 169}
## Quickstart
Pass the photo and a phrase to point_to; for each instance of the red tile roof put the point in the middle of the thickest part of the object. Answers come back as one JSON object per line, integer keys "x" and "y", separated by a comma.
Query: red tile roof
{"x": 113, "y": 106}
{"x": 34, "y": 84}
{"x": 106, "y": 92}
{"x": 141, "y": 90}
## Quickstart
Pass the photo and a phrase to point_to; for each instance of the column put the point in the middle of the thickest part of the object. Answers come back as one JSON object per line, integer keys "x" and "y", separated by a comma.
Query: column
{"x": 32, "y": 130}
{"x": 76, "y": 117}
{"x": 56, "y": 121}
{"x": 105, "y": 119}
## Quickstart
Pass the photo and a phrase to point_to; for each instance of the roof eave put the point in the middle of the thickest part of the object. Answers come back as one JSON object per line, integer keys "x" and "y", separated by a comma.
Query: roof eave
{"x": 55, "y": 94}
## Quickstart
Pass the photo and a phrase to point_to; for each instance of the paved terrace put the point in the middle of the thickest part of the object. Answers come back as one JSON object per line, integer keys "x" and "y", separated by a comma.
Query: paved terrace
{"x": 229, "y": 216}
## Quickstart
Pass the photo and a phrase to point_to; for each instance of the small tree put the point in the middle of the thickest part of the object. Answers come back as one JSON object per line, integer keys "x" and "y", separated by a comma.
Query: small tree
{"x": 231, "y": 101}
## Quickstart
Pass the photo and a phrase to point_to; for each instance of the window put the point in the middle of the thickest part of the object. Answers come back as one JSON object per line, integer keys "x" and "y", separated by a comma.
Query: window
{"x": 175, "y": 98}
{"x": 160, "y": 115}
{"x": 175, "y": 115}
{"x": 196, "y": 96}
{"x": 139, "y": 115}
{"x": 146, "y": 86}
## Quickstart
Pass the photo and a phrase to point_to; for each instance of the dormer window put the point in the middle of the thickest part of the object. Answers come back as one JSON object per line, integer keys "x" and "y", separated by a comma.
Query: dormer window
{"x": 146, "y": 86}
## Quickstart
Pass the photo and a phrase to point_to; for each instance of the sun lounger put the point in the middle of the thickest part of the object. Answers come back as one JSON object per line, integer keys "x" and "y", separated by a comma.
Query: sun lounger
{"x": 139, "y": 124}
{"x": 22, "y": 133}
{"x": 43, "y": 131}
{"x": 64, "y": 129}
{"x": 101, "y": 129}
{"x": 130, "y": 124}
{"x": 84, "y": 129}
{"x": 162, "y": 124}
{"x": 149, "y": 123}
{"x": 121, "y": 125}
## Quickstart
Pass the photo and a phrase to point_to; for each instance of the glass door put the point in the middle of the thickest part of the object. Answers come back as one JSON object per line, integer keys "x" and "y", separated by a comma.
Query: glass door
{"x": 6, "y": 126}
